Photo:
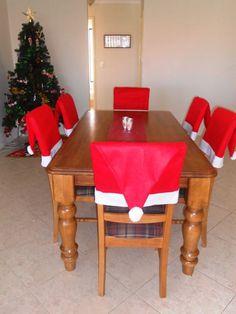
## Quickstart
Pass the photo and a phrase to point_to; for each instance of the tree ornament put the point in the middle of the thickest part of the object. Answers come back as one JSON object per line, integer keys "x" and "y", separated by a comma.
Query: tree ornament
{"x": 39, "y": 33}
{"x": 30, "y": 41}
{"x": 29, "y": 15}
{"x": 38, "y": 60}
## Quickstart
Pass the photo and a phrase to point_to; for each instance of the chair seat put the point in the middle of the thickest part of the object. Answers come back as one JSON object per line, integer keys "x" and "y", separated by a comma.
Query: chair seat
{"x": 134, "y": 230}
{"x": 84, "y": 190}
{"x": 182, "y": 192}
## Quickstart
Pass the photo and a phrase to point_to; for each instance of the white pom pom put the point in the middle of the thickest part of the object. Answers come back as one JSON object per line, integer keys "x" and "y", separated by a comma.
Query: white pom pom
{"x": 135, "y": 214}
{"x": 29, "y": 150}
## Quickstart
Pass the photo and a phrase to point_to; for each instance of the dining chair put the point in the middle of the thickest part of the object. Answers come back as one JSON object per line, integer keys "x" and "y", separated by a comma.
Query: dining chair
{"x": 198, "y": 111}
{"x": 131, "y": 213}
{"x": 131, "y": 98}
{"x": 219, "y": 134}
{"x": 42, "y": 128}
{"x": 66, "y": 109}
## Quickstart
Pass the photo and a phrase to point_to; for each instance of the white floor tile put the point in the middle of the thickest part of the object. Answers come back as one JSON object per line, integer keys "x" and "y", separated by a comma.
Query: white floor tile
{"x": 10, "y": 285}
{"x": 187, "y": 294}
{"x": 23, "y": 305}
{"x": 226, "y": 230}
{"x": 218, "y": 261}
{"x": 134, "y": 305}
{"x": 231, "y": 308}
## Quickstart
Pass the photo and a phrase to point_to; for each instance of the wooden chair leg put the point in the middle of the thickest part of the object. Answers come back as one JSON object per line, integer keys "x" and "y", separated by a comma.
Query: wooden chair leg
{"x": 101, "y": 252}
{"x": 163, "y": 272}
{"x": 164, "y": 251}
{"x": 158, "y": 250}
{"x": 101, "y": 272}
{"x": 204, "y": 227}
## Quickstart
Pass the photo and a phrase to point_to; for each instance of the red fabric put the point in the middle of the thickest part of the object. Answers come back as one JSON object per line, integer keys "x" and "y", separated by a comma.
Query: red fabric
{"x": 220, "y": 131}
{"x": 131, "y": 98}
{"x": 137, "y": 169}
{"x": 42, "y": 127}
{"x": 20, "y": 153}
{"x": 199, "y": 109}
{"x": 65, "y": 106}
{"x": 232, "y": 144}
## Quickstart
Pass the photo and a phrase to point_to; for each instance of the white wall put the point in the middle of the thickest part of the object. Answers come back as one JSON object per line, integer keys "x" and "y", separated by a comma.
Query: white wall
{"x": 65, "y": 27}
{"x": 5, "y": 62}
{"x": 189, "y": 49}
{"x": 115, "y": 66}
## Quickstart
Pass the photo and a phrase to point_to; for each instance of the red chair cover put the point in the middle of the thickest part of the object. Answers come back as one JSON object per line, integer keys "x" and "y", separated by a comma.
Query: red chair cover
{"x": 42, "y": 127}
{"x": 65, "y": 106}
{"x": 199, "y": 109}
{"x": 137, "y": 174}
{"x": 219, "y": 134}
{"x": 131, "y": 98}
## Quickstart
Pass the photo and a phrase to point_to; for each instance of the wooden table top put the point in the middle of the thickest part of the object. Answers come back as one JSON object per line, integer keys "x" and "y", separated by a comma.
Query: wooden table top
{"x": 153, "y": 126}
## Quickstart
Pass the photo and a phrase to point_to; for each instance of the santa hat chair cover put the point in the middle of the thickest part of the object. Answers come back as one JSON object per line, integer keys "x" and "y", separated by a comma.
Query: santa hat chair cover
{"x": 42, "y": 127}
{"x": 220, "y": 133}
{"x": 66, "y": 108}
{"x": 131, "y": 98}
{"x": 199, "y": 110}
{"x": 135, "y": 175}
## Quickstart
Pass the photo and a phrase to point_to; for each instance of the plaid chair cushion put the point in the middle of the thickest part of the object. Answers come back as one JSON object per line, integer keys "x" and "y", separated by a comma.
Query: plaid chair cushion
{"x": 182, "y": 192}
{"x": 134, "y": 230}
{"x": 85, "y": 190}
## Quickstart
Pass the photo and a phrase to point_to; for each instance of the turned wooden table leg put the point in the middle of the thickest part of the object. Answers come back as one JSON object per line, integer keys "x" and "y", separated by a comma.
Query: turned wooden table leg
{"x": 67, "y": 227}
{"x": 198, "y": 198}
{"x": 63, "y": 193}
{"x": 191, "y": 233}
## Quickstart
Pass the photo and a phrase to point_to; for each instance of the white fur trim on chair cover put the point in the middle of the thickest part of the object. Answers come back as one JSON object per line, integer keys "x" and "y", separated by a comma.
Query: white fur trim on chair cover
{"x": 233, "y": 157}
{"x": 29, "y": 150}
{"x": 69, "y": 131}
{"x": 187, "y": 126}
{"x": 45, "y": 160}
{"x": 136, "y": 213}
{"x": 189, "y": 129}
{"x": 216, "y": 162}
{"x": 116, "y": 199}
{"x": 193, "y": 136}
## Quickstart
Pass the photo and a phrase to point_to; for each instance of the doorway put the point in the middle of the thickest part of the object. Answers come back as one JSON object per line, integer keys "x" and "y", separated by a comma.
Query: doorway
{"x": 91, "y": 63}
{"x": 114, "y": 66}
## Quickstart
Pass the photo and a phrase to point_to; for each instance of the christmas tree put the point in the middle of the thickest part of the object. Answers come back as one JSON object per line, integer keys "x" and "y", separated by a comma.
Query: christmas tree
{"x": 33, "y": 82}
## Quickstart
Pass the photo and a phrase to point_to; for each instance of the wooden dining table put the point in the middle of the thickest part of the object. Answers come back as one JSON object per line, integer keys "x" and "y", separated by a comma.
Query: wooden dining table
{"x": 72, "y": 166}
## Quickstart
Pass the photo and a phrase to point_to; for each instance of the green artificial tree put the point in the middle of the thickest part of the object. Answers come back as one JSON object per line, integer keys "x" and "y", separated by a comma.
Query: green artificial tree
{"x": 33, "y": 82}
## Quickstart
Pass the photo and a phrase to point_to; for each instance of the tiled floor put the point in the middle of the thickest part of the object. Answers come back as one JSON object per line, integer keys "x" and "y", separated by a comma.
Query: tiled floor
{"x": 32, "y": 275}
